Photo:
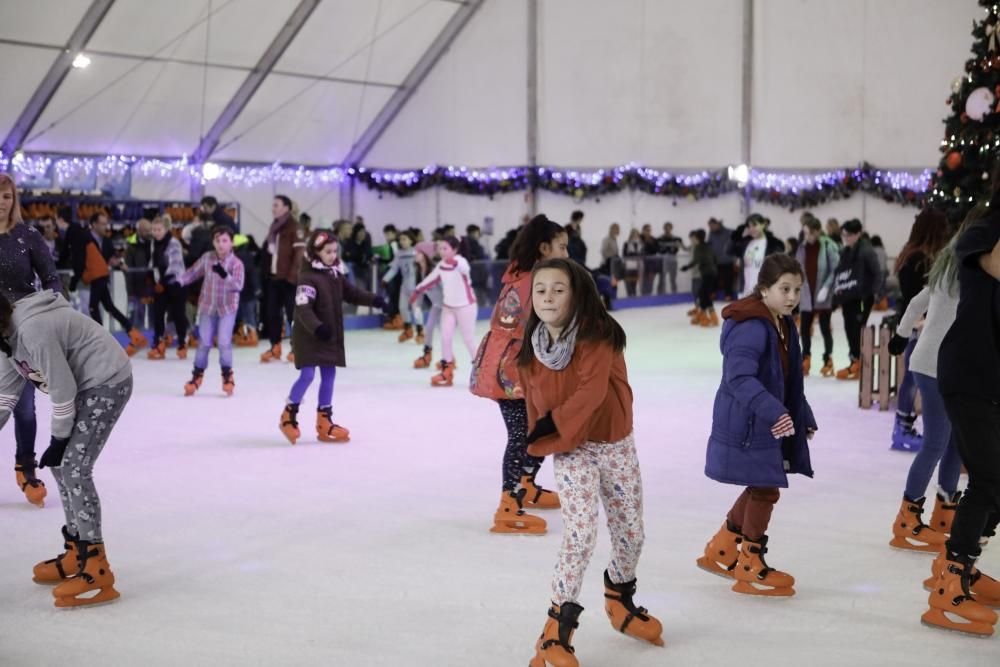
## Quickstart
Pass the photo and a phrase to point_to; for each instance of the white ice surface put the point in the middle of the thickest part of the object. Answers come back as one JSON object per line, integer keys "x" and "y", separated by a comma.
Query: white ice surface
{"x": 233, "y": 548}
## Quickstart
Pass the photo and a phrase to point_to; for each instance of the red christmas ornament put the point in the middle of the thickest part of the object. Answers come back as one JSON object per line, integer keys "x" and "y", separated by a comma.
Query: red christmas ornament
{"x": 953, "y": 160}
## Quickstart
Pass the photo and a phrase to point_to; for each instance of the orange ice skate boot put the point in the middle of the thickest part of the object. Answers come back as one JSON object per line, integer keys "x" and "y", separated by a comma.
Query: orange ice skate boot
{"x": 553, "y": 648}
{"x": 851, "y": 372}
{"x": 60, "y": 568}
{"x": 289, "y": 423}
{"x": 272, "y": 354}
{"x": 32, "y": 487}
{"x": 424, "y": 360}
{"x": 326, "y": 430}
{"x": 754, "y": 577}
{"x": 911, "y": 533}
{"x": 511, "y": 519}
{"x": 625, "y": 617}
{"x": 722, "y": 552}
{"x": 952, "y": 606}
{"x": 95, "y": 576}
{"x": 536, "y": 497}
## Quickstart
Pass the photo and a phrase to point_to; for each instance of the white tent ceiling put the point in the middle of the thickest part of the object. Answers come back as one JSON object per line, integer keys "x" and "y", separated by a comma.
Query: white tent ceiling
{"x": 163, "y": 72}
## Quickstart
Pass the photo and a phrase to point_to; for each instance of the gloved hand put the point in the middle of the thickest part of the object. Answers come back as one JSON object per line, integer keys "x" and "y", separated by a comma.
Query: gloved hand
{"x": 324, "y": 333}
{"x": 784, "y": 427}
{"x": 160, "y": 288}
{"x": 822, "y": 294}
{"x": 543, "y": 427}
{"x": 379, "y": 302}
{"x": 897, "y": 345}
{"x": 53, "y": 455}
{"x": 685, "y": 268}
{"x": 222, "y": 273}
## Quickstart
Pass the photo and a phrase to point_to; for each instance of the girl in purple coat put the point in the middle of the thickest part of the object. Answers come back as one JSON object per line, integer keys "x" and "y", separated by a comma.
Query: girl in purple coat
{"x": 761, "y": 423}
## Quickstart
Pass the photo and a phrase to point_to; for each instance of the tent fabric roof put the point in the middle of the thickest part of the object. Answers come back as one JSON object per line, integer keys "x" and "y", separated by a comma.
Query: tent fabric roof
{"x": 162, "y": 72}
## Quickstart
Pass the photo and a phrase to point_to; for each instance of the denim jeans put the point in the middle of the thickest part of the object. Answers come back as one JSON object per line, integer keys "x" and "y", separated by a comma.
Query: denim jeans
{"x": 221, "y": 327}
{"x": 25, "y": 425}
{"x": 907, "y": 394}
{"x": 937, "y": 446}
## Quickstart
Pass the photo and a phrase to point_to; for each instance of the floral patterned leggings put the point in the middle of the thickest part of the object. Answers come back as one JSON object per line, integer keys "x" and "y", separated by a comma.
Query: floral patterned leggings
{"x": 609, "y": 472}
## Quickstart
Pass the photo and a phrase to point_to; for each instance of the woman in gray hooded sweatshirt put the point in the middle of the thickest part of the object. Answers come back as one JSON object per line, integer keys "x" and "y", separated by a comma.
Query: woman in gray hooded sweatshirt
{"x": 88, "y": 378}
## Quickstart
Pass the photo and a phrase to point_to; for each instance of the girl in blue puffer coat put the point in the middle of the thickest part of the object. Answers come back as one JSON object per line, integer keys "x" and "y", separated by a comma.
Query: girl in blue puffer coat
{"x": 761, "y": 424}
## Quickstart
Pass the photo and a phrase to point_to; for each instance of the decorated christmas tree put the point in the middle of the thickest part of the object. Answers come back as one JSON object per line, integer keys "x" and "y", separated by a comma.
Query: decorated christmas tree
{"x": 972, "y": 132}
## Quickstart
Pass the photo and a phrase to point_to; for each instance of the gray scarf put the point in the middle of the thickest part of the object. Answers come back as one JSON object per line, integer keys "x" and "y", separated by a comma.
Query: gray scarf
{"x": 554, "y": 355}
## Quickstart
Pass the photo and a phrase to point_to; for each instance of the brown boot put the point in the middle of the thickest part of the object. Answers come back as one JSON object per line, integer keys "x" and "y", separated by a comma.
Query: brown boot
{"x": 272, "y": 354}
{"x": 424, "y": 360}
{"x": 60, "y": 568}
{"x": 944, "y": 511}
{"x": 851, "y": 372}
{"x": 289, "y": 424}
{"x": 553, "y": 646}
{"x": 182, "y": 352}
{"x": 419, "y": 340}
{"x": 710, "y": 319}
{"x": 95, "y": 575}
{"x": 625, "y": 617}
{"x": 394, "y": 324}
{"x": 406, "y": 334}
{"x": 722, "y": 552}
{"x": 692, "y": 312}
{"x": 158, "y": 351}
{"x": 754, "y": 577}
{"x": 446, "y": 377}
{"x": 192, "y": 342}
{"x": 696, "y": 317}
{"x": 952, "y": 607}
{"x": 536, "y": 497}
{"x": 511, "y": 519}
{"x": 827, "y": 369}
{"x": 32, "y": 487}
{"x": 326, "y": 430}
{"x": 806, "y": 365}
{"x": 911, "y": 533}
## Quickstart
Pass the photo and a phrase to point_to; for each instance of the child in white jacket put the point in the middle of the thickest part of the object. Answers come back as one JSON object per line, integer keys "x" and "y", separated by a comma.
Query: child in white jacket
{"x": 452, "y": 274}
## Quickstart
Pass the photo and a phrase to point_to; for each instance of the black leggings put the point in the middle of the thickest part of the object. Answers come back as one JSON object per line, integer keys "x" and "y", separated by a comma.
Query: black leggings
{"x": 100, "y": 295}
{"x": 975, "y": 424}
{"x": 705, "y": 291}
{"x": 280, "y": 306}
{"x": 173, "y": 301}
{"x": 805, "y": 332}
{"x": 855, "y": 318}
{"x": 517, "y": 462}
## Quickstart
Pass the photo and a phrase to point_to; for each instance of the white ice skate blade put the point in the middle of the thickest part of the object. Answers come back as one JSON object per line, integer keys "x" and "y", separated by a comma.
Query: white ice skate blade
{"x": 956, "y": 631}
{"x": 726, "y": 575}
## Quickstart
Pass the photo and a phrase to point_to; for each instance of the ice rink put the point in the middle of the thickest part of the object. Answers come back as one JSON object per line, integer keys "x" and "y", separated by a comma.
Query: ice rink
{"x": 232, "y": 547}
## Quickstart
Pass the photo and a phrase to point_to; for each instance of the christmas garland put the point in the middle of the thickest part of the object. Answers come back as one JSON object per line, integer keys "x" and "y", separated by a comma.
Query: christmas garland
{"x": 788, "y": 190}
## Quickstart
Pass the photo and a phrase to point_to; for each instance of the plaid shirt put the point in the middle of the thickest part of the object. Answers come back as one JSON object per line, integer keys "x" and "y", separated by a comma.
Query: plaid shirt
{"x": 219, "y": 296}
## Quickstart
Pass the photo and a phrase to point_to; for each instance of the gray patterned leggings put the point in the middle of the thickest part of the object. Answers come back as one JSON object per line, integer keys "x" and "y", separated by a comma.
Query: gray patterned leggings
{"x": 97, "y": 410}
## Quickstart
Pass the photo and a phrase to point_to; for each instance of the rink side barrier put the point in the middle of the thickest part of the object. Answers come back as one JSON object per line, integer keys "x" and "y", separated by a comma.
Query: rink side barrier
{"x": 356, "y": 322}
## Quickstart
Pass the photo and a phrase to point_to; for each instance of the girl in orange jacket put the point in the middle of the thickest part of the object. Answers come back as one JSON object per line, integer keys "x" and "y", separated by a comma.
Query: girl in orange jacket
{"x": 495, "y": 376}
{"x": 580, "y": 410}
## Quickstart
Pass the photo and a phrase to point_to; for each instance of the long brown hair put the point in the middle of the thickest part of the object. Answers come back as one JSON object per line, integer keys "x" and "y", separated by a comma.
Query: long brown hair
{"x": 524, "y": 252}
{"x": 928, "y": 235}
{"x": 592, "y": 319}
{"x": 7, "y": 181}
